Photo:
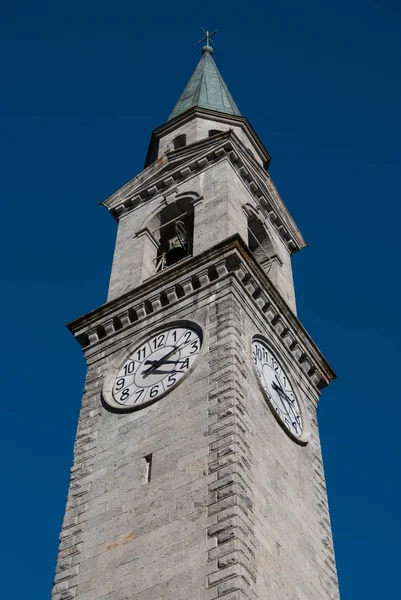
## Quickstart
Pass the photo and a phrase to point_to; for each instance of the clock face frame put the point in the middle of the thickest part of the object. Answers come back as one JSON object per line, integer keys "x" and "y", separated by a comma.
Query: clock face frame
{"x": 279, "y": 391}
{"x": 153, "y": 366}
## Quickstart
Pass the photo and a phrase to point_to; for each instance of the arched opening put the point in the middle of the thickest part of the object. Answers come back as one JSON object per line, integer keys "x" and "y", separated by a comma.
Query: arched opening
{"x": 174, "y": 233}
{"x": 180, "y": 141}
{"x": 259, "y": 241}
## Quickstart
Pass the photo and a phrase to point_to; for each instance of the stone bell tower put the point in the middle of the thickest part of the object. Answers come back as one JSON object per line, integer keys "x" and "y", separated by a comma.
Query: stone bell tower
{"x": 197, "y": 468}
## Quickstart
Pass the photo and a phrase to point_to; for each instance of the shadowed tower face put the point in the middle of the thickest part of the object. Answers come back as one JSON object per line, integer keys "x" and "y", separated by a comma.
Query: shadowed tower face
{"x": 197, "y": 468}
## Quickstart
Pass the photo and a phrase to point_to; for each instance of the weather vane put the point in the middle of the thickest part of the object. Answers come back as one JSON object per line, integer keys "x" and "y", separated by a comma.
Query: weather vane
{"x": 208, "y": 36}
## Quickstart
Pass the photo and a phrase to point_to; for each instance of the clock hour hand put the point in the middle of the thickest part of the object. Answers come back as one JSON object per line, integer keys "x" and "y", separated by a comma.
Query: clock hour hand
{"x": 157, "y": 363}
{"x": 287, "y": 406}
{"x": 290, "y": 405}
{"x": 280, "y": 390}
{"x": 278, "y": 384}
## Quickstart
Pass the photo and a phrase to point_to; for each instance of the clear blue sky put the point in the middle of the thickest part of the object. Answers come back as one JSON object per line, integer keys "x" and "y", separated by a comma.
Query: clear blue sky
{"x": 83, "y": 85}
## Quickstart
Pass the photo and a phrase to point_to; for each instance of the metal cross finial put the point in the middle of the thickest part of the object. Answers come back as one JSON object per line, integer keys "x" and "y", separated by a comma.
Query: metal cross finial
{"x": 207, "y": 38}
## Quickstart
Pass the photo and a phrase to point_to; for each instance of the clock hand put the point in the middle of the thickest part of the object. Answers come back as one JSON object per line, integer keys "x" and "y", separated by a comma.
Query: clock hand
{"x": 169, "y": 354}
{"x": 157, "y": 371}
{"x": 157, "y": 363}
{"x": 278, "y": 384}
{"x": 161, "y": 361}
{"x": 289, "y": 407}
{"x": 280, "y": 390}
{"x": 277, "y": 387}
{"x": 290, "y": 401}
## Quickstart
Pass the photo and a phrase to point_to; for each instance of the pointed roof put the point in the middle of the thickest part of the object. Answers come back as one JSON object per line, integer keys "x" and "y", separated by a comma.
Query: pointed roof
{"x": 206, "y": 89}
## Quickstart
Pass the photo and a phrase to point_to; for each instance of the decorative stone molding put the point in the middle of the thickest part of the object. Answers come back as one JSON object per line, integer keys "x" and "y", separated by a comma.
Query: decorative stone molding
{"x": 185, "y": 172}
{"x": 156, "y": 302}
{"x": 187, "y": 286}
{"x": 145, "y": 231}
{"x": 139, "y": 312}
{"x": 171, "y": 294}
{"x": 202, "y": 162}
{"x": 152, "y": 190}
{"x": 168, "y": 182}
{"x": 203, "y": 277}
{"x": 124, "y": 318}
{"x": 109, "y": 327}
{"x": 230, "y": 148}
{"x": 226, "y": 260}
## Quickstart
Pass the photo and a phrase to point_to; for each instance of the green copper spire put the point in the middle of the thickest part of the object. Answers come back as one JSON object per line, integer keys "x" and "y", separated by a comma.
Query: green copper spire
{"x": 206, "y": 88}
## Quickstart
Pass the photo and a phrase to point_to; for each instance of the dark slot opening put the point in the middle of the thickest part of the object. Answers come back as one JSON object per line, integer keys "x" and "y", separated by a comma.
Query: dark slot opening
{"x": 147, "y": 468}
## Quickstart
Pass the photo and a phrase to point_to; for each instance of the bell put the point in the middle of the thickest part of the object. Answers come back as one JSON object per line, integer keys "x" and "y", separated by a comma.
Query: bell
{"x": 177, "y": 245}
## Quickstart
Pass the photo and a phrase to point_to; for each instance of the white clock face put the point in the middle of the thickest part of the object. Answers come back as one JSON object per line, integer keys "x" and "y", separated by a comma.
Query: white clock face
{"x": 278, "y": 389}
{"x": 155, "y": 367}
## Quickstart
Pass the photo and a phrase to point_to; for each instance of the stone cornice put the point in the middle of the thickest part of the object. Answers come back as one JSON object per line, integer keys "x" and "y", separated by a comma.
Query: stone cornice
{"x": 182, "y": 164}
{"x": 160, "y": 176}
{"x": 228, "y": 259}
{"x": 261, "y": 186}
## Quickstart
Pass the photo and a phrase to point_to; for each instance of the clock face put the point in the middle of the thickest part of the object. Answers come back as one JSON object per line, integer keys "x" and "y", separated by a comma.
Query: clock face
{"x": 278, "y": 389}
{"x": 155, "y": 367}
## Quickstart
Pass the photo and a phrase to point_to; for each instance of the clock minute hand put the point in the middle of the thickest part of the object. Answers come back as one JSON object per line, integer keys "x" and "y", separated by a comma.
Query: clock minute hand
{"x": 157, "y": 363}
{"x": 278, "y": 384}
{"x": 280, "y": 390}
{"x": 168, "y": 354}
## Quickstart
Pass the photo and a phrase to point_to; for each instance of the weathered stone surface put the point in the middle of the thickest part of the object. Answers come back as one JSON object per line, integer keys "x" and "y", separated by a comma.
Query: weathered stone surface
{"x": 234, "y": 509}
{"x": 223, "y": 473}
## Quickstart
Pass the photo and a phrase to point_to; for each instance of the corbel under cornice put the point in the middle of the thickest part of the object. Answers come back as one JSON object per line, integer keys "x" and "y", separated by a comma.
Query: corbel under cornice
{"x": 230, "y": 258}
{"x": 201, "y": 155}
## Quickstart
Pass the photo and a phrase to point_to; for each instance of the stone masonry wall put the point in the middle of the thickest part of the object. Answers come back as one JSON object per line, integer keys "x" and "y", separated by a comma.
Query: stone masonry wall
{"x": 293, "y": 543}
{"x": 218, "y": 214}
{"x": 217, "y": 217}
{"x": 185, "y": 534}
{"x": 234, "y": 509}
{"x": 231, "y": 571}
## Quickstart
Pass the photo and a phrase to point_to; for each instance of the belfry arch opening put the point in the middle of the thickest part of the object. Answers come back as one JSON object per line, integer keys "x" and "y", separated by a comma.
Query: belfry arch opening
{"x": 259, "y": 241}
{"x": 174, "y": 234}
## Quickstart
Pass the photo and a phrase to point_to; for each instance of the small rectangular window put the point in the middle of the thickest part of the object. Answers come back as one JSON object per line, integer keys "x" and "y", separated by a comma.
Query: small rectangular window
{"x": 146, "y": 468}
